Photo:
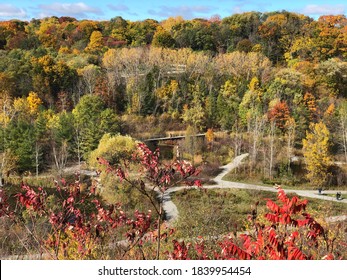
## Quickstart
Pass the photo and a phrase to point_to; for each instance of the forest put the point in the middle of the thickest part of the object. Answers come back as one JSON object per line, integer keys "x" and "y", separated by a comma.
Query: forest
{"x": 273, "y": 85}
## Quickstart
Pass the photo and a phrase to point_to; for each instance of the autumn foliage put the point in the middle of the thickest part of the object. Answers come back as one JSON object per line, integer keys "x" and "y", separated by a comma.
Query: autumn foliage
{"x": 279, "y": 114}
{"x": 272, "y": 85}
{"x": 287, "y": 233}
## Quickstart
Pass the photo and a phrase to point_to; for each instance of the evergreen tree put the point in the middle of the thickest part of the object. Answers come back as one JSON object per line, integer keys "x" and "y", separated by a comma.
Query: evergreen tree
{"x": 21, "y": 141}
{"x": 91, "y": 121}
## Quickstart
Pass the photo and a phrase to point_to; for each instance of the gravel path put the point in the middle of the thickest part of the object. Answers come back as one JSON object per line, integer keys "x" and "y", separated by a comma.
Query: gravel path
{"x": 171, "y": 210}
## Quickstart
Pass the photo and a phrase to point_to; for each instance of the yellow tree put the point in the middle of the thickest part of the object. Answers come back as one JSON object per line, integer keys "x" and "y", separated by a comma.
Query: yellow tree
{"x": 34, "y": 103}
{"x": 50, "y": 33}
{"x": 95, "y": 42}
{"x": 316, "y": 153}
{"x": 210, "y": 138}
{"x": 170, "y": 22}
{"x": 209, "y": 135}
{"x": 28, "y": 106}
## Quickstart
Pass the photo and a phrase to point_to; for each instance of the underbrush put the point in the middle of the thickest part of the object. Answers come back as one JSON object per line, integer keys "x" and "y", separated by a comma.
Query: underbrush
{"x": 46, "y": 181}
{"x": 211, "y": 213}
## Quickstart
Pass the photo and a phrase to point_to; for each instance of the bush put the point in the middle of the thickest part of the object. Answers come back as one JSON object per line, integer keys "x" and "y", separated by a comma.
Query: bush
{"x": 286, "y": 232}
{"x": 113, "y": 149}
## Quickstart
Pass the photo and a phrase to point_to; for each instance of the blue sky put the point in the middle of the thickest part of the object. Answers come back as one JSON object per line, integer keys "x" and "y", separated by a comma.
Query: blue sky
{"x": 159, "y": 10}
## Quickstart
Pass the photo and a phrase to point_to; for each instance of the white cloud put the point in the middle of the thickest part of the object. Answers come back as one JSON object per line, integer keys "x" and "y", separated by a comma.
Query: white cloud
{"x": 10, "y": 11}
{"x": 187, "y": 12}
{"x": 69, "y": 9}
{"x": 324, "y": 9}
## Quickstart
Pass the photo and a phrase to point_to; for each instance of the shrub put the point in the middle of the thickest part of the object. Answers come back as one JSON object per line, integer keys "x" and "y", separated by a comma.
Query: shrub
{"x": 287, "y": 233}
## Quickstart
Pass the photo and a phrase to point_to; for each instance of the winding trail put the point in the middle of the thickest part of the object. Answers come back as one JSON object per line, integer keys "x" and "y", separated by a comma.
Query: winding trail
{"x": 171, "y": 210}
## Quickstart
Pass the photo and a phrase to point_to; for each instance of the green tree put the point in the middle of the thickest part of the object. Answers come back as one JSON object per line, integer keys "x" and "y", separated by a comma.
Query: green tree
{"x": 8, "y": 163}
{"x": 91, "y": 121}
{"x": 119, "y": 28}
{"x": 242, "y": 26}
{"x": 51, "y": 77}
{"x": 316, "y": 153}
{"x": 252, "y": 116}
{"x": 21, "y": 142}
{"x": 141, "y": 32}
{"x": 86, "y": 118}
{"x": 211, "y": 109}
{"x": 330, "y": 77}
{"x": 251, "y": 105}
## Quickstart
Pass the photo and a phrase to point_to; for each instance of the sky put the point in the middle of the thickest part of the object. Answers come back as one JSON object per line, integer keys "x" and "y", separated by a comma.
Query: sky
{"x": 161, "y": 9}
